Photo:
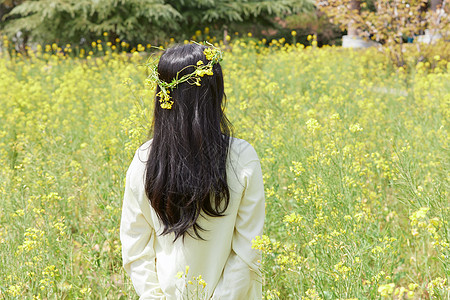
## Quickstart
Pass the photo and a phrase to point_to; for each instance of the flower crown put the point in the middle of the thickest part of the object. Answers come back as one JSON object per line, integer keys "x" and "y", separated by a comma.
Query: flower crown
{"x": 213, "y": 55}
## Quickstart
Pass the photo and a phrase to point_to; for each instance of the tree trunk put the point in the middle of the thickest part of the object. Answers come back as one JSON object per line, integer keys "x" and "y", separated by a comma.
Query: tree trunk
{"x": 435, "y": 4}
{"x": 352, "y": 30}
{"x": 225, "y": 34}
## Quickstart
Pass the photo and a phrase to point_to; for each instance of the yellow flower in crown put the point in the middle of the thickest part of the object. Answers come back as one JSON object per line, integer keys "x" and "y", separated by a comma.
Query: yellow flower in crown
{"x": 164, "y": 99}
{"x": 213, "y": 55}
{"x": 209, "y": 53}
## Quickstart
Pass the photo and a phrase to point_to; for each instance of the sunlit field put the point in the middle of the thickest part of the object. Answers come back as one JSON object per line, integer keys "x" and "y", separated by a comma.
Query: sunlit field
{"x": 355, "y": 156}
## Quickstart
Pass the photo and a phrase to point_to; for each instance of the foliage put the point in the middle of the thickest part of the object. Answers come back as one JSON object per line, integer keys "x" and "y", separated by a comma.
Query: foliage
{"x": 314, "y": 22}
{"x": 238, "y": 15}
{"x": 139, "y": 20}
{"x": 74, "y": 21}
{"x": 392, "y": 23}
{"x": 354, "y": 157}
{"x": 6, "y": 6}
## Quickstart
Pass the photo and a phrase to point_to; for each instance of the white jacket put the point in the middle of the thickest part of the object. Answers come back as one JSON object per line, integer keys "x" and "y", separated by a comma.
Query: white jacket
{"x": 225, "y": 260}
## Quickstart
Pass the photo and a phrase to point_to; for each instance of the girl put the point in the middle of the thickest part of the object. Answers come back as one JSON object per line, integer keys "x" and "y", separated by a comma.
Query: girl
{"x": 194, "y": 196}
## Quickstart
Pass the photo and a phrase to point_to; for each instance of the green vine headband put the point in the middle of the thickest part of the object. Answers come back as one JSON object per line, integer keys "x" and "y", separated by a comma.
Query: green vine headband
{"x": 213, "y": 55}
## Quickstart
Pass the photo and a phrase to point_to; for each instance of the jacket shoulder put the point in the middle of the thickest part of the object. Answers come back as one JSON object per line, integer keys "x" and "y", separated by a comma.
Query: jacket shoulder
{"x": 242, "y": 152}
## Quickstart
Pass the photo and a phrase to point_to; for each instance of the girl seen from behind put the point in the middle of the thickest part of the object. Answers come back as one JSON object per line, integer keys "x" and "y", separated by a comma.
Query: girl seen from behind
{"x": 194, "y": 195}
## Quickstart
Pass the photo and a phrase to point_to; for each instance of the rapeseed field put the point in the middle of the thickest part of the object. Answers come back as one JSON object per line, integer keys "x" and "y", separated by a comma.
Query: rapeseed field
{"x": 355, "y": 157}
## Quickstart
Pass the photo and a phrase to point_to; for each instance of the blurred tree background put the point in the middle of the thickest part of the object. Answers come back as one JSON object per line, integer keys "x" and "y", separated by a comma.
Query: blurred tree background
{"x": 137, "y": 21}
{"x": 389, "y": 23}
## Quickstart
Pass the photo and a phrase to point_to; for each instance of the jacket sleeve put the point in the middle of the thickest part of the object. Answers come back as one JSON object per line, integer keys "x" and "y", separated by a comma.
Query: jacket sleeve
{"x": 138, "y": 238}
{"x": 241, "y": 277}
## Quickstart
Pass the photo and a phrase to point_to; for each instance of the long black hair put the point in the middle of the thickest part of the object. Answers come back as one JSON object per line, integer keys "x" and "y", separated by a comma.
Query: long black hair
{"x": 186, "y": 169}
